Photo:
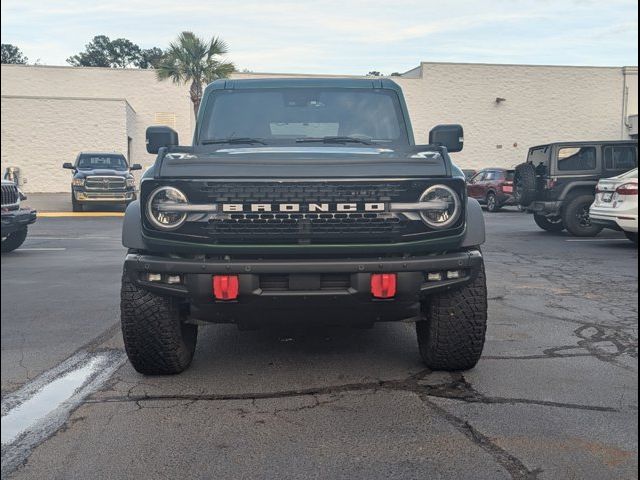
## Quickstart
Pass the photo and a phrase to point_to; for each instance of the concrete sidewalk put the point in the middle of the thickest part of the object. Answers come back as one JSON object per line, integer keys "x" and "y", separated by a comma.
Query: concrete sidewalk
{"x": 55, "y": 203}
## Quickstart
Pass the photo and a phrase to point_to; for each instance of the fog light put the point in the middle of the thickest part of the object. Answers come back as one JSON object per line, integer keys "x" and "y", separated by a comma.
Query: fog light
{"x": 225, "y": 287}
{"x": 452, "y": 274}
{"x": 383, "y": 285}
{"x": 174, "y": 279}
{"x": 154, "y": 277}
{"x": 434, "y": 276}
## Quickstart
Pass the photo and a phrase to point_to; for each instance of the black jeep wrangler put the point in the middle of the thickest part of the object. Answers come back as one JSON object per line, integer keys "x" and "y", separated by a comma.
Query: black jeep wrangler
{"x": 15, "y": 218}
{"x": 101, "y": 179}
{"x": 306, "y": 200}
{"x": 558, "y": 181}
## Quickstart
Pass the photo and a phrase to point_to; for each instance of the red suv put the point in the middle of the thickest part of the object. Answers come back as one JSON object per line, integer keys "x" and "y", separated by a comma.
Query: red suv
{"x": 492, "y": 187}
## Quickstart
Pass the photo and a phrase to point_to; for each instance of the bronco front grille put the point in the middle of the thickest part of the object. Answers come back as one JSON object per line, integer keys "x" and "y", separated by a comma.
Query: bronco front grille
{"x": 302, "y": 226}
{"x": 10, "y": 195}
{"x": 296, "y": 192}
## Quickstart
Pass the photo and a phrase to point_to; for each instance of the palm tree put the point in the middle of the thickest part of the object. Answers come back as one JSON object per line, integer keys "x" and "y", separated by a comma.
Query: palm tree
{"x": 192, "y": 59}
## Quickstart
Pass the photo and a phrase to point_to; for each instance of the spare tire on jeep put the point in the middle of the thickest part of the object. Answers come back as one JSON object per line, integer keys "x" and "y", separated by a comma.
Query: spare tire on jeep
{"x": 524, "y": 183}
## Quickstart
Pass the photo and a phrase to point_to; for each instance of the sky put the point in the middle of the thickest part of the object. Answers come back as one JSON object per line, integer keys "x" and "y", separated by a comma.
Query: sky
{"x": 340, "y": 36}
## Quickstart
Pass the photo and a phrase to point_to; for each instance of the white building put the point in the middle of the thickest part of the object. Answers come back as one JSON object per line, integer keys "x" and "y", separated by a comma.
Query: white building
{"x": 49, "y": 114}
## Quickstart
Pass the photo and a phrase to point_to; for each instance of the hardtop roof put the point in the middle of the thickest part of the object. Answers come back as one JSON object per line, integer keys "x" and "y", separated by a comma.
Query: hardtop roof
{"x": 314, "y": 82}
{"x": 585, "y": 143}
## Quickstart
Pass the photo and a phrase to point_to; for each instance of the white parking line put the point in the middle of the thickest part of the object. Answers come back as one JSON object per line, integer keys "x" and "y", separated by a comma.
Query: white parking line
{"x": 40, "y": 408}
{"x": 597, "y": 240}
{"x": 35, "y": 237}
{"x": 41, "y": 249}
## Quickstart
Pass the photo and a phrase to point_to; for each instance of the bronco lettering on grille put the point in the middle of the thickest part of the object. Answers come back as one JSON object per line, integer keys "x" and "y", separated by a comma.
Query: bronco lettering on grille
{"x": 298, "y": 207}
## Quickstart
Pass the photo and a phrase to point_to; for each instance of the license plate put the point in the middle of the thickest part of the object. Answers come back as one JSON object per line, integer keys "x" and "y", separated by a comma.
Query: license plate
{"x": 607, "y": 197}
{"x": 507, "y": 189}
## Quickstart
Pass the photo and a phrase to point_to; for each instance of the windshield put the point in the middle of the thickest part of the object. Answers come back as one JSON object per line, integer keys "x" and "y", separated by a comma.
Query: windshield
{"x": 285, "y": 116}
{"x": 110, "y": 162}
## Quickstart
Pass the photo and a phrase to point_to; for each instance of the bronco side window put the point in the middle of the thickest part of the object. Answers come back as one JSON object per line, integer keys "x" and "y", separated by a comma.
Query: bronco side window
{"x": 577, "y": 159}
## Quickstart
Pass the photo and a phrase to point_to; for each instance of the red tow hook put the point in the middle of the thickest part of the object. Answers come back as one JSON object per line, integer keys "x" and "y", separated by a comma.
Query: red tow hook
{"x": 225, "y": 287}
{"x": 384, "y": 285}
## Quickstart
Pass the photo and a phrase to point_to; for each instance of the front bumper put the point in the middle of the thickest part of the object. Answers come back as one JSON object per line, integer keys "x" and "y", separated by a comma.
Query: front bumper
{"x": 14, "y": 220}
{"x": 349, "y": 302}
{"x": 104, "y": 197}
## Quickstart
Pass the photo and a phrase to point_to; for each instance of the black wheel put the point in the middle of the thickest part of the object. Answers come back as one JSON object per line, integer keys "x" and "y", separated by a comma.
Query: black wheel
{"x": 576, "y": 217}
{"x": 156, "y": 338}
{"x": 76, "y": 206}
{"x": 14, "y": 240}
{"x": 492, "y": 203}
{"x": 524, "y": 184}
{"x": 633, "y": 236}
{"x": 553, "y": 224}
{"x": 451, "y": 337}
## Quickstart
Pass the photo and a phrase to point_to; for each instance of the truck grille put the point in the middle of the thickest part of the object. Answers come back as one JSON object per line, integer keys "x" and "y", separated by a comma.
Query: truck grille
{"x": 10, "y": 195}
{"x": 105, "y": 183}
{"x": 248, "y": 192}
{"x": 345, "y": 226}
{"x": 330, "y": 227}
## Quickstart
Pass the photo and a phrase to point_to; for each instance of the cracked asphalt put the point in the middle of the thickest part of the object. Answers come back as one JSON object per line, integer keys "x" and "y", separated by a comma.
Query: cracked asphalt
{"x": 555, "y": 395}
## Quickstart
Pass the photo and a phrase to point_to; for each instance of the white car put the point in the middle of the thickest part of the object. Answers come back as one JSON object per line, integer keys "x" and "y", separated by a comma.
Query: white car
{"x": 616, "y": 204}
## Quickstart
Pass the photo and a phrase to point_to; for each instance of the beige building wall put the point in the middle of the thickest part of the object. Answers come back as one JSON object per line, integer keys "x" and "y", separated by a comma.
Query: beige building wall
{"x": 541, "y": 104}
{"x": 39, "y": 134}
{"x": 151, "y": 102}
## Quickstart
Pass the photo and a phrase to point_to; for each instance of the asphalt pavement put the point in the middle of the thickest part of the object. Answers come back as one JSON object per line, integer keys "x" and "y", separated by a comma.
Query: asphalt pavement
{"x": 554, "y": 396}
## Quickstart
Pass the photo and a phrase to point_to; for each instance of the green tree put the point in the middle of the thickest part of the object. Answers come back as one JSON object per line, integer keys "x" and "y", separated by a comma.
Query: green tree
{"x": 150, "y": 58}
{"x": 96, "y": 54}
{"x": 191, "y": 59}
{"x": 123, "y": 53}
{"x": 12, "y": 54}
{"x": 101, "y": 51}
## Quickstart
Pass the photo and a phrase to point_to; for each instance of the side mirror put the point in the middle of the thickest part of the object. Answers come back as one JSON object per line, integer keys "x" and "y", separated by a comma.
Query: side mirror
{"x": 449, "y": 136}
{"x": 68, "y": 166}
{"x": 135, "y": 166}
{"x": 160, "y": 136}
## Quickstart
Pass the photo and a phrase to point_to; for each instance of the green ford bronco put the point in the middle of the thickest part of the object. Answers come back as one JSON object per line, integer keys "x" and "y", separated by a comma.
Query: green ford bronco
{"x": 307, "y": 201}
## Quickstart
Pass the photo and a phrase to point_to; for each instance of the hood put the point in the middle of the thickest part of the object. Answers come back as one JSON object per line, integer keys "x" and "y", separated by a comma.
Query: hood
{"x": 303, "y": 162}
{"x": 102, "y": 172}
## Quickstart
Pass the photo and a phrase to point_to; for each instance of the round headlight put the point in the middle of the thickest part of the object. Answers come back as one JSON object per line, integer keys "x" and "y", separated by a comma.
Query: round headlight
{"x": 159, "y": 208}
{"x": 446, "y": 210}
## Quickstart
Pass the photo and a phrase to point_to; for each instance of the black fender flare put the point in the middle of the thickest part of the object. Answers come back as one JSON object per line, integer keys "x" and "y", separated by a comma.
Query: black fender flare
{"x": 132, "y": 227}
{"x": 475, "y": 234}
{"x": 584, "y": 185}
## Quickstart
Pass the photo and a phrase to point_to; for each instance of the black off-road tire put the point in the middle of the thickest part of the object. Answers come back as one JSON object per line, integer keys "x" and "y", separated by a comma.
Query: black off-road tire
{"x": 575, "y": 217}
{"x": 156, "y": 339}
{"x": 14, "y": 240}
{"x": 554, "y": 226}
{"x": 492, "y": 203}
{"x": 524, "y": 184}
{"x": 633, "y": 236}
{"x": 75, "y": 205}
{"x": 451, "y": 337}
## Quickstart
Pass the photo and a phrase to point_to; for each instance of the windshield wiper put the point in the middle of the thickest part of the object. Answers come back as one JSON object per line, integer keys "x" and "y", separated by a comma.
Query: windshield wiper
{"x": 336, "y": 139}
{"x": 234, "y": 140}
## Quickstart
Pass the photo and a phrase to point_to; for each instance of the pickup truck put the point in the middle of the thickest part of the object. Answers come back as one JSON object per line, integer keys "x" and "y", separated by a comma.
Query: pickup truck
{"x": 305, "y": 201}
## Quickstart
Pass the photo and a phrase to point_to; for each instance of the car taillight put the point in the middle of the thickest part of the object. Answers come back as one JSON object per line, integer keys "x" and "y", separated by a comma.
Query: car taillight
{"x": 627, "y": 189}
{"x": 551, "y": 183}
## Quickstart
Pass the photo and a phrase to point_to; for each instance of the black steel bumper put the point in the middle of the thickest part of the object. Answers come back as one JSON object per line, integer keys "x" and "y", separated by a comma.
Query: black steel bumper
{"x": 301, "y": 292}
{"x": 14, "y": 220}
{"x": 549, "y": 209}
